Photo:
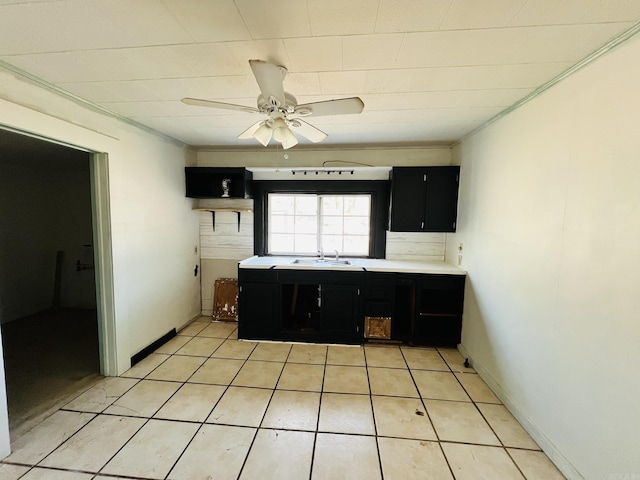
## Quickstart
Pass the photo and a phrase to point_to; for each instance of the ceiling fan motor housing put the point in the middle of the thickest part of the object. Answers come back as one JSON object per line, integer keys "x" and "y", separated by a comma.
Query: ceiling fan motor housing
{"x": 273, "y": 104}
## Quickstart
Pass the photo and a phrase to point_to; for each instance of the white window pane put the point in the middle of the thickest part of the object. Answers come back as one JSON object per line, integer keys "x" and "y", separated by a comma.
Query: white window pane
{"x": 356, "y": 245}
{"x": 281, "y": 224}
{"x": 305, "y": 245}
{"x": 332, "y": 205}
{"x": 331, "y": 243}
{"x": 281, "y": 243}
{"x": 306, "y": 205}
{"x": 357, "y": 205}
{"x": 344, "y": 224}
{"x": 281, "y": 204}
{"x": 356, "y": 226}
{"x": 332, "y": 225}
{"x": 306, "y": 224}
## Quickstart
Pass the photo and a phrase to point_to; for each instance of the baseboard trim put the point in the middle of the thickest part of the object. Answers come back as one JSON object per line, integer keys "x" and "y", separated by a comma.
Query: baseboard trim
{"x": 153, "y": 346}
{"x": 567, "y": 469}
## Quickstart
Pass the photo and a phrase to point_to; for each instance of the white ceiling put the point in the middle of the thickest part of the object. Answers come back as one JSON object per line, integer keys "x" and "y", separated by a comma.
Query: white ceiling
{"x": 428, "y": 71}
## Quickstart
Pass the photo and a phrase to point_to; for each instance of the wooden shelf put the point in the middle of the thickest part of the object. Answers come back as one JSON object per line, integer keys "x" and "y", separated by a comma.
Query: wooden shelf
{"x": 219, "y": 209}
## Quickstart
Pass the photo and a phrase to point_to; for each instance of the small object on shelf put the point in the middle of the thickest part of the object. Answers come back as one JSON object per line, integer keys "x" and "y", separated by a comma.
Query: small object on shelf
{"x": 226, "y": 183}
{"x": 225, "y": 299}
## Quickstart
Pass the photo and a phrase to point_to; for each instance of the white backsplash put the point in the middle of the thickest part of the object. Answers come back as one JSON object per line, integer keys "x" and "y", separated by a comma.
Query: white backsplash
{"x": 417, "y": 246}
{"x": 226, "y": 242}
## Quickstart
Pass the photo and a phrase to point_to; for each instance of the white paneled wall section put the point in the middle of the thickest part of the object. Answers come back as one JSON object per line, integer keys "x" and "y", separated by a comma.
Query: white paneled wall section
{"x": 226, "y": 242}
{"x": 417, "y": 246}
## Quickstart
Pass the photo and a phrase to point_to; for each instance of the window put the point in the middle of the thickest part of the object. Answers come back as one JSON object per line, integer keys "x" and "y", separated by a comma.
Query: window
{"x": 264, "y": 191}
{"x": 303, "y": 224}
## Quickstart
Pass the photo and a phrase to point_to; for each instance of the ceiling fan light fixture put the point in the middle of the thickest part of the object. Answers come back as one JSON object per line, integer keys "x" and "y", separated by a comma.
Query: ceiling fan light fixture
{"x": 290, "y": 141}
{"x": 263, "y": 134}
{"x": 281, "y": 131}
{"x": 282, "y": 109}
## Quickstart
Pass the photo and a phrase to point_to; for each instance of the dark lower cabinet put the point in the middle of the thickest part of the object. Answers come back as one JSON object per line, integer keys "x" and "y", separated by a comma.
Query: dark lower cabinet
{"x": 329, "y": 306}
{"x": 300, "y": 305}
{"x": 340, "y": 312}
{"x": 258, "y": 304}
{"x": 438, "y": 315}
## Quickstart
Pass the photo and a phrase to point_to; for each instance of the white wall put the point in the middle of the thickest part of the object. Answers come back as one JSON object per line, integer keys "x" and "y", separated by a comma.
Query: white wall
{"x": 153, "y": 229}
{"x": 549, "y": 215}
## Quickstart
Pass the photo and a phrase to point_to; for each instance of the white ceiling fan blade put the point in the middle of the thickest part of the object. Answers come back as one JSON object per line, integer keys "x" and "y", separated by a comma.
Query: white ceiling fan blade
{"x": 226, "y": 106}
{"x": 269, "y": 78}
{"x": 248, "y": 133}
{"x": 341, "y": 106}
{"x": 308, "y": 131}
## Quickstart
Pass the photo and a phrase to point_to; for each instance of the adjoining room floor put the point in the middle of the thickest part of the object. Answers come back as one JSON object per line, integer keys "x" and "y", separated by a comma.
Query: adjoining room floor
{"x": 49, "y": 358}
{"x": 206, "y": 405}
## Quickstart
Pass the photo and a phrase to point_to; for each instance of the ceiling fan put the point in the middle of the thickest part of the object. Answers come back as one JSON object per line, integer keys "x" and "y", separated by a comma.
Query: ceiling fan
{"x": 282, "y": 109}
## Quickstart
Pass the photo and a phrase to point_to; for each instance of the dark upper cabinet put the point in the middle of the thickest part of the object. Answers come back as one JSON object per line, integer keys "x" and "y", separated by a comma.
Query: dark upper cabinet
{"x": 424, "y": 199}
{"x": 206, "y": 182}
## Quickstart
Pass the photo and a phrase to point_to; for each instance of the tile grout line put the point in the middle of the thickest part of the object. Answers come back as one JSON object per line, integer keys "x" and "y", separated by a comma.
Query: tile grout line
{"x": 273, "y": 390}
{"x": 212, "y": 408}
{"x": 315, "y": 434}
{"x": 373, "y": 415}
{"x": 376, "y": 435}
{"x": 446, "y": 459}
{"x": 502, "y": 446}
{"x": 148, "y": 419}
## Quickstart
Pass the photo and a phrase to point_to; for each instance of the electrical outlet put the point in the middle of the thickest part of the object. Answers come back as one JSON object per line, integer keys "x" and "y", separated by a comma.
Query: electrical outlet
{"x": 460, "y": 247}
{"x": 459, "y": 259}
{"x": 195, "y": 249}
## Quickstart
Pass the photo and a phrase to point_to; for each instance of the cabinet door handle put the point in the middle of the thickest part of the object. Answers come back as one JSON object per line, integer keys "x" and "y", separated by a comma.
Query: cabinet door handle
{"x": 424, "y": 177}
{"x": 422, "y": 225}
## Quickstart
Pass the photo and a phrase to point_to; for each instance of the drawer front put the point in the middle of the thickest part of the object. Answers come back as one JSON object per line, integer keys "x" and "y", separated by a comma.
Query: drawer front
{"x": 442, "y": 281}
{"x": 256, "y": 275}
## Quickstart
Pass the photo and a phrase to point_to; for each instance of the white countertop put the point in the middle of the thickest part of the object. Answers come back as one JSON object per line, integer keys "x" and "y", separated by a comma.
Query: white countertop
{"x": 357, "y": 264}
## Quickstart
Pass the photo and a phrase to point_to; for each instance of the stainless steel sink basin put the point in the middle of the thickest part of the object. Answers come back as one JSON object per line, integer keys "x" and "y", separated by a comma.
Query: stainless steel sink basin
{"x": 316, "y": 262}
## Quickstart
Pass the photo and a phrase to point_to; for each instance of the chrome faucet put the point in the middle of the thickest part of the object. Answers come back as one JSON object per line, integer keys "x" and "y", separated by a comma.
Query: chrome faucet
{"x": 321, "y": 253}
{"x": 337, "y": 255}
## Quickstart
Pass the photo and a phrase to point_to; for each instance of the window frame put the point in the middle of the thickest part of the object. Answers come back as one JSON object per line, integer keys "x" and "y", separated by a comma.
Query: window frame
{"x": 377, "y": 189}
{"x": 320, "y": 217}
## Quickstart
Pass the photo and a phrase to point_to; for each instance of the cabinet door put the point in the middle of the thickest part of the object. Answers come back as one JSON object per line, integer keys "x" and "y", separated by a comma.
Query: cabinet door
{"x": 442, "y": 199}
{"x": 439, "y": 304}
{"x": 340, "y": 311}
{"x": 258, "y": 311}
{"x": 408, "y": 199}
{"x": 424, "y": 199}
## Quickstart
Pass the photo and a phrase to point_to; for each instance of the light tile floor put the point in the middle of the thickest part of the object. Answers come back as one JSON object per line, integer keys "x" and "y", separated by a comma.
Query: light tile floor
{"x": 207, "y": 406}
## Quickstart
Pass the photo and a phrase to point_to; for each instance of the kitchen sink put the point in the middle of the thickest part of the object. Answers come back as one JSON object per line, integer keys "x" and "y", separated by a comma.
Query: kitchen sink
{"x": 320, "y": 262}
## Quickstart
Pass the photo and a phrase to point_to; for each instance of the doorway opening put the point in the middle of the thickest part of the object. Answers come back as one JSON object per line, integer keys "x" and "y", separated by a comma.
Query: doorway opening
{"x": 48, "y": 295}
